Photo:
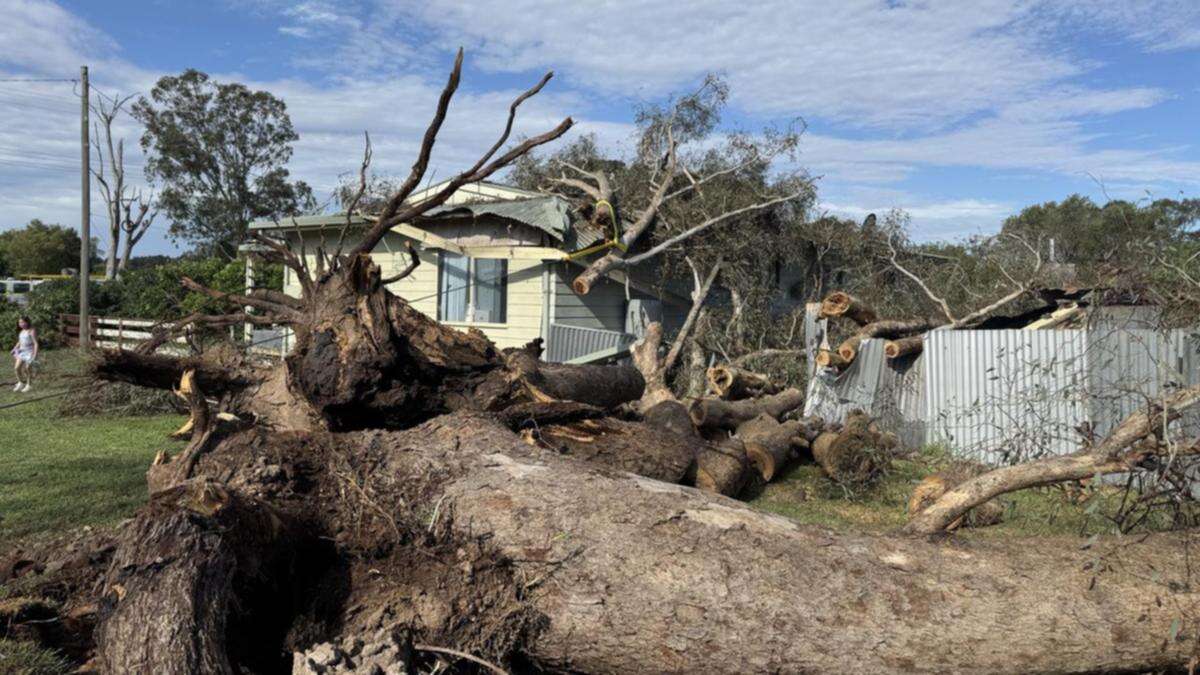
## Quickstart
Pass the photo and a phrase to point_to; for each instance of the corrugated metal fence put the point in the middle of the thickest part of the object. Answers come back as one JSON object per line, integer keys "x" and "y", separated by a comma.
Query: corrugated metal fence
{"x": 1012, "y": 395}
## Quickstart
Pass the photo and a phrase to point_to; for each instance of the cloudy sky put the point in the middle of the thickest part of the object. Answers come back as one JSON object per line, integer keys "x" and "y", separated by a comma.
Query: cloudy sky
{"x": 958, "y": 112}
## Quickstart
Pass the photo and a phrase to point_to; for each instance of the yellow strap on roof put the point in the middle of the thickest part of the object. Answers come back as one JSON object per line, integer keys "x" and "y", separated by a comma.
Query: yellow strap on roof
{"x": 615, "y": 242}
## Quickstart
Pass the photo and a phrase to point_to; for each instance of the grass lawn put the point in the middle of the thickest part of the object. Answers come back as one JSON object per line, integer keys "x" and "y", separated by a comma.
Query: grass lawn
{"x": 61, "y": 472}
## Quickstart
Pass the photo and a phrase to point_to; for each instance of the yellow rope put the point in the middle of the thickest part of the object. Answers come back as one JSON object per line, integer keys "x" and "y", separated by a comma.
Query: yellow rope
{"x": 615, "y": 242}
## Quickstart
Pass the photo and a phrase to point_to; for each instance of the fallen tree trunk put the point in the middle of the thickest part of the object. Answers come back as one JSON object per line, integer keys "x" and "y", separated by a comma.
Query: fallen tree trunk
{"x": 695, "y": 583}
{"x": 731, "y": 383}
{"x": 717, "y": 413}
{"x": 1109, "y": 456}
{"x": 839, "y": 304}
{"x": 197, "y": 584}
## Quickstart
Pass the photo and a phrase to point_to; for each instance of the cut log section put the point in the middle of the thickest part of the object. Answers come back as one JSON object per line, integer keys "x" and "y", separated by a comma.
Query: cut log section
{"x": 829, "y": 358}
{"x": 718, "y": 413}
{"x": 770, "y": 444}
{"x": 856, "y": 455}
{"x": 848, "y": 350}
{"x": 722, "y": 467}
{"x": 912, "y": 344}
{"x": 839, "y": 304}
{"x": 732, "y": 383}
{"x": 934, "y": 486}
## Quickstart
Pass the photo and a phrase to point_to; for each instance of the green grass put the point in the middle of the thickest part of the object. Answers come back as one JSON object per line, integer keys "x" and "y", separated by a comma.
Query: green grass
{"x": 58, "y": 472}
{"x": 27, "y": 658}
{"x": 804, "y": 494}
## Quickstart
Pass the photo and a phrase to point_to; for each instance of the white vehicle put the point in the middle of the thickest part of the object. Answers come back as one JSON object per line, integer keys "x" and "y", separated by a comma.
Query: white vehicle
{"x": 17, "y": 290}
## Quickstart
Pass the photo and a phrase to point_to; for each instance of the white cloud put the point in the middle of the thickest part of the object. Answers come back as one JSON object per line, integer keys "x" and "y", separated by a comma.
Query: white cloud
{"x": 897, "y": 87}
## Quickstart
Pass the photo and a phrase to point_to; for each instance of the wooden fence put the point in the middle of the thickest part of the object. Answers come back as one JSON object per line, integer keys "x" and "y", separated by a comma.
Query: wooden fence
{"x": 113, "y": 332}
{"x": 109, "y": 331}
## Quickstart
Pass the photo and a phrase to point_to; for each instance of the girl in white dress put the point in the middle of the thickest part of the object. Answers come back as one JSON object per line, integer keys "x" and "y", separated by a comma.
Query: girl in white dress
{"x": 25, "y": 353}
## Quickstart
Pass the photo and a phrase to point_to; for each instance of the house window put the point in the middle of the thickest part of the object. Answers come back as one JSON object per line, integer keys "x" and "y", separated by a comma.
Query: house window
{"x": 472, "y": 290}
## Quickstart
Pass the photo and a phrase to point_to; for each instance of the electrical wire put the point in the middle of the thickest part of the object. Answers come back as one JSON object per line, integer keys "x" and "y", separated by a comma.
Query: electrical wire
{"x": 38, "y": 79}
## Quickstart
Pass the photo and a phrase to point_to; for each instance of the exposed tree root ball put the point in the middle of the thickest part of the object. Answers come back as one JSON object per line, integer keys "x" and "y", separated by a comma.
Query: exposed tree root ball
{"x": 199, "y": 585}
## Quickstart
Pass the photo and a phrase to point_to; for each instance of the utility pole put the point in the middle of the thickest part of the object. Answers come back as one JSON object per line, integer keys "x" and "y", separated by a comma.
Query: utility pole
{"x": 85, "y": 216}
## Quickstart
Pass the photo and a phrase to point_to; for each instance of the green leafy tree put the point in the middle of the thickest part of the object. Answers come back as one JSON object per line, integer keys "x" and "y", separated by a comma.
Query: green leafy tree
{"x": 39, "y": 248}
{"x": 1087, "y": 233}
{"x": 219, "y": 151}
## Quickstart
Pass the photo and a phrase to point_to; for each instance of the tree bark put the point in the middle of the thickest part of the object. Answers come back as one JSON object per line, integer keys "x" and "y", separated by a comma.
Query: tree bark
{"x": 636, "y": 589}
{"x": 848, "y": 350}
{"x": 731, "y": 383}
{"x": 639, "y": 448}
{"x": 199, "y": 579}
{"x": 770, "y": 445}
{"x": 714, "y": 412}
{"x": 912, "y": 344}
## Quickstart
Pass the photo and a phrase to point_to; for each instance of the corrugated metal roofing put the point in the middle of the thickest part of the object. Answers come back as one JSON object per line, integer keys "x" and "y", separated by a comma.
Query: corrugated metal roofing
{"x": 549, "y": 214}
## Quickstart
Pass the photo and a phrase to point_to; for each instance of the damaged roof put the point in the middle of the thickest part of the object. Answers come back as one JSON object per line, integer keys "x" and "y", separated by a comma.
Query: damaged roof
{"x": 550, "y": 214}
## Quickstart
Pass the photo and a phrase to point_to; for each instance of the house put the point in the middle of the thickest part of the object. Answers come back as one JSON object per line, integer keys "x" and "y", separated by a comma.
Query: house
{"x": 501, "y": 259}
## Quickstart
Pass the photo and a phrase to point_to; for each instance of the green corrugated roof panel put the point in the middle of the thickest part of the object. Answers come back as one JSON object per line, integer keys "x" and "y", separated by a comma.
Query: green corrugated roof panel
{"x": 549, "y": 214}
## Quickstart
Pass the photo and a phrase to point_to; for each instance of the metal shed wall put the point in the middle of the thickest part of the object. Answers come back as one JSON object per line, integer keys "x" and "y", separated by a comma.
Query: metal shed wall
{"x": 1002, "y": 396}
{"x": 1005, "y": 395}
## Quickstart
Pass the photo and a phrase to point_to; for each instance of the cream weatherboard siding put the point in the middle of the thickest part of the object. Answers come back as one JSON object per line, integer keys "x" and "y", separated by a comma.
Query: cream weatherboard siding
{"x": 524, "y": 291}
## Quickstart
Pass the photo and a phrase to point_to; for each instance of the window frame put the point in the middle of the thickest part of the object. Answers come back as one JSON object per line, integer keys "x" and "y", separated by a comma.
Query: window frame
{"x": 472, "y": 292}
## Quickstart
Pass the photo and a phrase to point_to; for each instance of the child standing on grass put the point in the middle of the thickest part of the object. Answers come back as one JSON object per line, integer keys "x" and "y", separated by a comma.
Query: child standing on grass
{"x": 25, "y": 353}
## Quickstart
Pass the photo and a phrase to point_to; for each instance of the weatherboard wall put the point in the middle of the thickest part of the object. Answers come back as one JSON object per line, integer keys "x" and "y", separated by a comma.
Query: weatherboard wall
{"x": 524, "y": 290}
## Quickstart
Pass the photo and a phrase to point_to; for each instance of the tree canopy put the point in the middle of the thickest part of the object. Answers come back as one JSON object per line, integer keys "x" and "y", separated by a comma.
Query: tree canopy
{"x": 39, "y": 248}
{"x": 219, "y": 151}
{"x": 1085, "y": 232}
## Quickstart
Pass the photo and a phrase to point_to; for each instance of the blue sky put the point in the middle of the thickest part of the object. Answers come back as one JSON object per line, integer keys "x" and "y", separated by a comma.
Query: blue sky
{"x": 958, "y": 112}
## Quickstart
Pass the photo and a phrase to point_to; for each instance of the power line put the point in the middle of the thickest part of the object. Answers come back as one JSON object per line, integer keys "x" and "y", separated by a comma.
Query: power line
{"x": 37, "y": 79}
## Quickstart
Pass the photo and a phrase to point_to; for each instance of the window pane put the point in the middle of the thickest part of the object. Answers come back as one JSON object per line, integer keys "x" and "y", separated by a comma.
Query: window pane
{"x": 490, "y": 285}
{"x": 452, "y": 287}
